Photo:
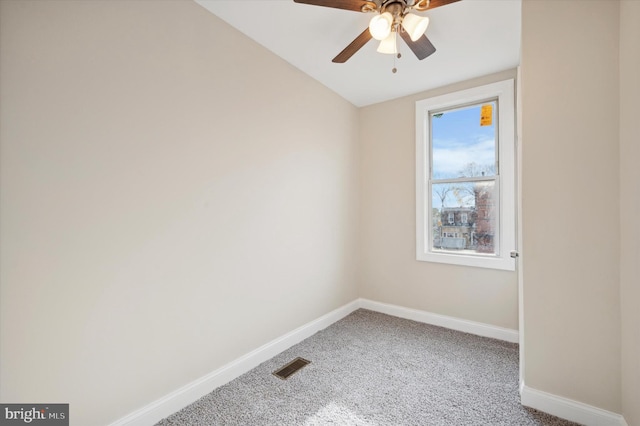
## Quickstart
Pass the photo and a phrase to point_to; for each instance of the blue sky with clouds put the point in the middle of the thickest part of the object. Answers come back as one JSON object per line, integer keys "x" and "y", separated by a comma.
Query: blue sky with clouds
{"x": 458, "y": 139}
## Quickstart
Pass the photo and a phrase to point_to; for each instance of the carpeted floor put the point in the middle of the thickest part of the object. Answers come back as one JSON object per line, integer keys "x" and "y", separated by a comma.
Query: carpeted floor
{"x": 371, "y": 369}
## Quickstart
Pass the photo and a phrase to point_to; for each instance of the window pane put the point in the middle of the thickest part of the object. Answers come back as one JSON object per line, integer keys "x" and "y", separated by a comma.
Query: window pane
{"x": 464, "y": 217}
{"x": 464, "y": 142}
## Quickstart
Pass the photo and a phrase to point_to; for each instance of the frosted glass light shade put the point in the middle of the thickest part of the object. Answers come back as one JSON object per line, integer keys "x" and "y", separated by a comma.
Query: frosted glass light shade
{"x": 415, "y": 25}
{"x": 380, "y": 26}
{"x": 388, "y": 45}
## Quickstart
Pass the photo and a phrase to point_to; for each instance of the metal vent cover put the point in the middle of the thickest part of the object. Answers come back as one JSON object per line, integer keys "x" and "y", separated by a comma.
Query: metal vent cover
{"x": 286, "y": 371}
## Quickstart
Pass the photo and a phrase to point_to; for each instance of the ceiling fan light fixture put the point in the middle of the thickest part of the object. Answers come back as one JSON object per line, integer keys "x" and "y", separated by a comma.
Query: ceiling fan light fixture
{"x": 380, "y": 26}
{"x": 388, "y": 45}
{"x": 415, "y": 25}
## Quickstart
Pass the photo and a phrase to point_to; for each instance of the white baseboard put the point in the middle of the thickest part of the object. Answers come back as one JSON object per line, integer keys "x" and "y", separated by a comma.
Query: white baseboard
{"x": 543, "y": 401}
{"x": 569, "y": 409}
{"x": 195, "y": 390}
{"x": 453, "y": 323}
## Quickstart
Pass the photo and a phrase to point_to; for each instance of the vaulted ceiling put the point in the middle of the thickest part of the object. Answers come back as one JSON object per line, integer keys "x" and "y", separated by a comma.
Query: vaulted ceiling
{"x": 472, "y": 37}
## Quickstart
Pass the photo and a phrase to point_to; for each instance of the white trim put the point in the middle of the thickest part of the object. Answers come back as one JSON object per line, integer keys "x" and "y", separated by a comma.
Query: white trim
{"x": 178, "y": 399}
{"x": 520, "y": 260}
{"x": 505, "y": 182}
{"x": 569, "y": 409}
{"x": 478, "y": 328}
{"x": 543, "y": 401}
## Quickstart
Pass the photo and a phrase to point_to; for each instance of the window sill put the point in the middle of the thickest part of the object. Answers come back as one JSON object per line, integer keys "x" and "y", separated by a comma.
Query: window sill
{"x": 478, "y": 261}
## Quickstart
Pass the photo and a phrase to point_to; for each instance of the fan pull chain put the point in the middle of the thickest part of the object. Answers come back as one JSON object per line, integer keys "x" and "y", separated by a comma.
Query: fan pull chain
{"x": 394, "y": 69}
{"x": 398, "y": 55}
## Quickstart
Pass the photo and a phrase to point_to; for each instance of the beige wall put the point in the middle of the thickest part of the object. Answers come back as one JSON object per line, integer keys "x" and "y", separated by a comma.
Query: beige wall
{"x": 155, "y": 190}
{"x": 570, "y": 187}
{"x": 170, "y": 201}
{"x": 630, "y": 208}
{"x": 389, "y": 270}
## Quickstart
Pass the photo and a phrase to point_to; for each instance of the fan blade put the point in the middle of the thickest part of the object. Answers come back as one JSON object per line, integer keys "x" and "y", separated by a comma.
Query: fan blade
{"x": 356, "y": 5}
{"x": 421, "y": 47}
{"x": 422, "y": 4}
{"x": 352, "y": 48}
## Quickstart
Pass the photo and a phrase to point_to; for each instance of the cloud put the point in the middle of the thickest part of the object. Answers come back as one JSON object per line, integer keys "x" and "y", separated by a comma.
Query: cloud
{"x": 451, "y": 156}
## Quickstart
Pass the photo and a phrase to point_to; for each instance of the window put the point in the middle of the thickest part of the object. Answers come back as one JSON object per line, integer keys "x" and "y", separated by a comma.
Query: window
{"x": 465, "y": 172}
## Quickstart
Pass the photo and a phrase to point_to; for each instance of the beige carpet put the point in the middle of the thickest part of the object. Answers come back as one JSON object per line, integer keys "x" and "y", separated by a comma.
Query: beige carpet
{"x": 371, "y": 369}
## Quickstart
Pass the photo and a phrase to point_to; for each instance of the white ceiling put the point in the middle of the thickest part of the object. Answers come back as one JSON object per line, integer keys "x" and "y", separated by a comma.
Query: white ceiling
{"x": 472, "y": 37}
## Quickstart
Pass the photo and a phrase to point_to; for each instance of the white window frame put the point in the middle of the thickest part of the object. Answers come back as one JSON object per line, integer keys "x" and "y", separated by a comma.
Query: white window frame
{"x": 503, "y": 91}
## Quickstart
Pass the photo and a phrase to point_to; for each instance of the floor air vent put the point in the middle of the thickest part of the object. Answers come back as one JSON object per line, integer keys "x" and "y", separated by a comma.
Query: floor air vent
{"x": 285, "y": 372}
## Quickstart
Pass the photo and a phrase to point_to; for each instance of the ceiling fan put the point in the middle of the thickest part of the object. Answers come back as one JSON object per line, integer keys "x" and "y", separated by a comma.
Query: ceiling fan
{"x": 392, "y": 17}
